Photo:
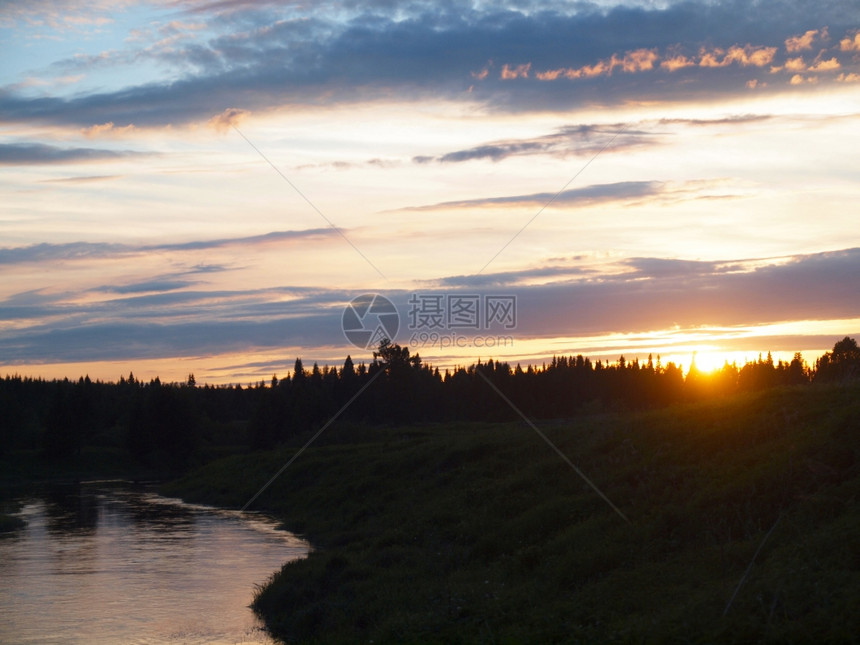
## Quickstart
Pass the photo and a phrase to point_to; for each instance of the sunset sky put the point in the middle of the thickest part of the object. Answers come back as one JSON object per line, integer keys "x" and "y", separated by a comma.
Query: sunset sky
{"x": 192, "y": 186}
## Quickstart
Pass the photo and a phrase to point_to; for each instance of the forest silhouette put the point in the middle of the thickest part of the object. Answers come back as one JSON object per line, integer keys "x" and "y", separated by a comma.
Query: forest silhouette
{"x": 170, "y": 427}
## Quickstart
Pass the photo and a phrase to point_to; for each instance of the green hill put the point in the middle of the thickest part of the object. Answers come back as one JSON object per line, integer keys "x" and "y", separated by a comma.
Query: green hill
{"x": 482, "y": 533}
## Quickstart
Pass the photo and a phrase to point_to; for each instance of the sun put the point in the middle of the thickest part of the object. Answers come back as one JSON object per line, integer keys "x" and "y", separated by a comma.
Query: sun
{"x": 708, "y": 360}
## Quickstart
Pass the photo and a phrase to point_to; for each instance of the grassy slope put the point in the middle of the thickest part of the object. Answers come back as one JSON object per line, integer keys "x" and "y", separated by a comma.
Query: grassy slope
{"x": 479, "y": 533}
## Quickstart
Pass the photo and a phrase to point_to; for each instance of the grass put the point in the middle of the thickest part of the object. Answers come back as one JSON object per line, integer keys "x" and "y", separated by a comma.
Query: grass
{"x": 481, "y": 533}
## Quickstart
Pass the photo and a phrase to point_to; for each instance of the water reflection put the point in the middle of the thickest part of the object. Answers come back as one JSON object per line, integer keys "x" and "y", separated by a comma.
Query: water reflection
{"x": 68, "y": 511}
{"x": 108, "y": 565}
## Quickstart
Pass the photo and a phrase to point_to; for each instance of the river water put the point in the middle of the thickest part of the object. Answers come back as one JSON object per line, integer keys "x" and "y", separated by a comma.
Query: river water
{"x": 98, "y": 564}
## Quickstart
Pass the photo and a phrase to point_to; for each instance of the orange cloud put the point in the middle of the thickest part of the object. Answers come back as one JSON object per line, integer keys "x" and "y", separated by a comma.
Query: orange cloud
{"x": 709, "y": 59}
{"x": 590, "y": 71}
{"x": 520, "y": 71}
{"x": 749, "y": 55}
{"x": 587, "y": 71}
{"x": 850, "y": 44}
{"x": 848, "y": 78}
{"x": 745, "y": 56}
{"x": 483, "y": 73}
{"x": 676, "y": 63}
{"x": 106, "y": 129}
{"x": 798, "y": 79}
{"x": 550, "y": 74}
{"x": 825, "y": 65}
{"x": 795, "y": 64}
{"x": 642, "y": 60}
{"x": 231, "y": 117}
{"x": 801, "y": 43}
{"x": 638, "y": 60}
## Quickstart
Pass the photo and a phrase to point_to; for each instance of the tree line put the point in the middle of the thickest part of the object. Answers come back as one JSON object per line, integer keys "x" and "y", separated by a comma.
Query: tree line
{"x": 171, "y": 426}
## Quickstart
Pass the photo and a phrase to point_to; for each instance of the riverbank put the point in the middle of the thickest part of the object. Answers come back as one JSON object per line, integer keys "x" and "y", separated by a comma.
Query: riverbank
{"x": 743, "y": 526}
{"x": 29, "y": 467}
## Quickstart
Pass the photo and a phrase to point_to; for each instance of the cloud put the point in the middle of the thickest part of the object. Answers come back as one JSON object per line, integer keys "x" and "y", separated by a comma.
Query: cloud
{"x": 745, "y": 56}
{"x": 20, "y": 154}
{"x": 161, "y": 317}
{"x": 512, "y": 72}
{"x": 734, "y": 119}
{"x": 621, "y": 191}
{"x": 509, "y": 279}
{"x": 802, "y": 42}
{"x": 676, "y": 62}
{"x": 108, "y": 128}
{"x": 574, "y": 139}
{"x": 130, "y": 340}
{"x": 631, "y": 62}
{"x": 82, "y": 180}
{"x": 258, "y": 58}
{"x": 86, "y": 250}
{"x": 851, "y": 44}
{"x": 229, "y": 118}
{"x": 645, "y": 60}
{"x": 59, "y": 14}
{"x": 795, "y": 64}
{"x": 825, "y": 65}
{"x": 658, "y": 293}
{"x": 167, "y": 322}
{"x": 582, "y": 139}
{"x": 799, "y": 79}
{"x": 163, "y": 285}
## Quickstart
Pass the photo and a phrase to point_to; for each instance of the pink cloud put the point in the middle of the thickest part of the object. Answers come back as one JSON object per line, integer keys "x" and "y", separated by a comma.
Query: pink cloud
{"x": 231, "y": 117}
{"x": 106, "y": 129}
{"x": 745, "y": 56}
{"x": 825, "y": 65}
{"x": 639, "y": 60}
{"x": 795, "y": 64}
{"x": 520, "y": 71}
{"x": 676, "y": 63}
{"x": 800, "y": 43}
{"x": 850, "y": 44}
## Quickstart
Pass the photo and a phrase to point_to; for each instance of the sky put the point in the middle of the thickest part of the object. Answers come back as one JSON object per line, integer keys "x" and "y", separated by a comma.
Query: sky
{"x": 218, "y": 187}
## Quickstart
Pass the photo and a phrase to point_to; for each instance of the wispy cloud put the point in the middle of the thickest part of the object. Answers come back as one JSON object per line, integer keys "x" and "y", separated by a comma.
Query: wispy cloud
{"x": 19, "y": 154}
{"x": 86, "y": 250}
{"x": 86, "y": 179}
{"x": 620, "y": 191}
{"x": 148, "y": 286}
{"x": 585, "y": 139}
{"x": 164, "y": 318}
{"x": 658, "y": 293}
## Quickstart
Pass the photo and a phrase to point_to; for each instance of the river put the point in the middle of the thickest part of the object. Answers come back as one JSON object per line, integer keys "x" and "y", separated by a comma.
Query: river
{"x": 106, "y": 564}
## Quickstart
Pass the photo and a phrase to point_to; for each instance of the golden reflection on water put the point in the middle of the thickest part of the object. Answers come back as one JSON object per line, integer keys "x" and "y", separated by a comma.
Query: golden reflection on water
{"x": 122, "y": 566}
